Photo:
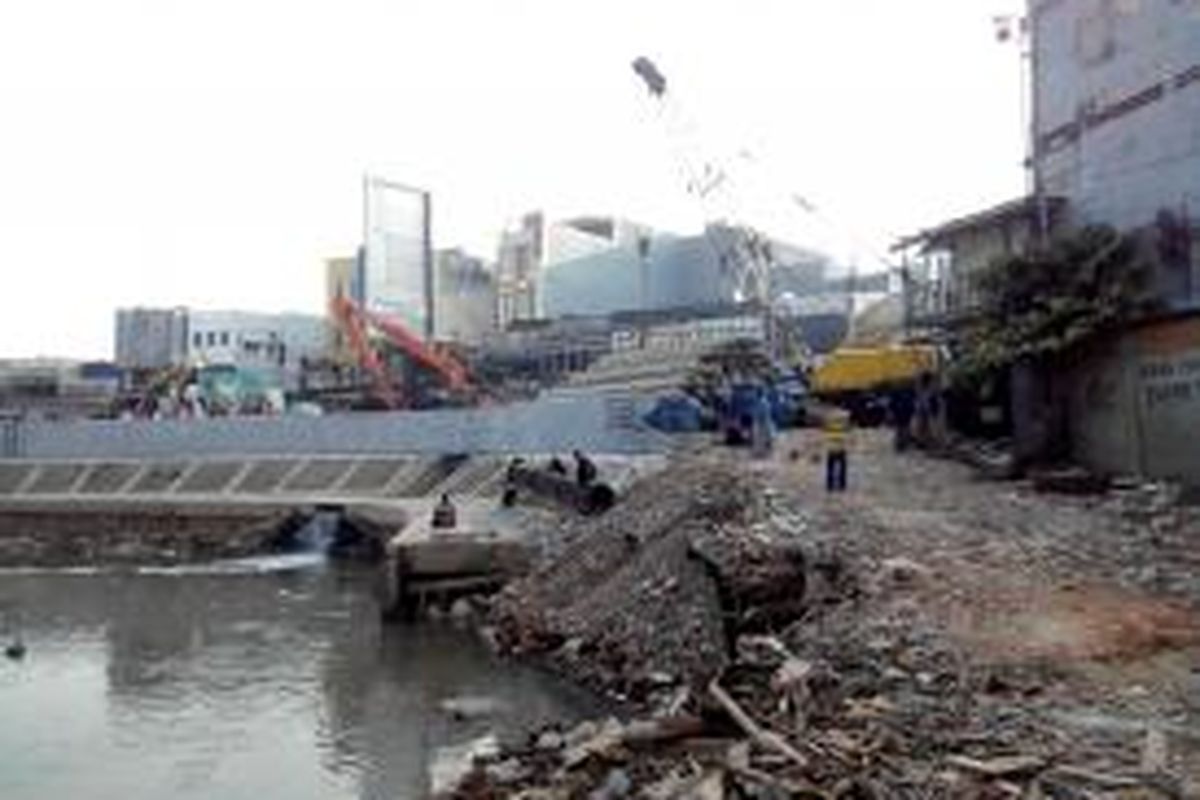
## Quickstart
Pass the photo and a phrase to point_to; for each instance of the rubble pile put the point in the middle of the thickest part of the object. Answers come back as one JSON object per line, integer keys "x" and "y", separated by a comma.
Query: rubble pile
{"x": 773, "y": 652}
{"x": 856, "y": 699}
{"x": 644, "y": 602}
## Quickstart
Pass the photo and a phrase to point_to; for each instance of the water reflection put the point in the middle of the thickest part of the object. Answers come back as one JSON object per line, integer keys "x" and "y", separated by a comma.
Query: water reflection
{"x": 235, "y": 686}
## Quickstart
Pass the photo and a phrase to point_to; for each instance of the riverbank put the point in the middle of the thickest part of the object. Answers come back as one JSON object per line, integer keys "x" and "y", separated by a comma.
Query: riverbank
{"x": 926, "y": 634}
{"x": 89, "y": 533}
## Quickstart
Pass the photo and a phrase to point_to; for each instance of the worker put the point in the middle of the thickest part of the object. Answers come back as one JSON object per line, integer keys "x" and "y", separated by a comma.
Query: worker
{"x": 585, "y": 469}
{"x": 557, "y": 466}
{"x": 901, "y": 407}
{"x": 508, "y": 497}
{"x": 762, "y": 426}
{"x": 444, "y": 513}
{"x": 837, "y": 444}
{"x": 928, "y": 411}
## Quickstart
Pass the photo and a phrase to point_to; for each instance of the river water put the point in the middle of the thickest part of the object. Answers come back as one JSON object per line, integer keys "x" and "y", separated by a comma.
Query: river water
{"x": 238, "y": 683}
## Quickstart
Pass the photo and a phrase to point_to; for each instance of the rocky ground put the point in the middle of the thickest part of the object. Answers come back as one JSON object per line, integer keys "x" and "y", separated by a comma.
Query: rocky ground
{"x": 927, "y": 634}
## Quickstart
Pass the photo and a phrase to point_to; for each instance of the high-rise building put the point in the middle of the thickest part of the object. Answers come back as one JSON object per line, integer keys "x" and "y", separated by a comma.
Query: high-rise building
{"x": 518, "y": 268}
{"x": 464, "y": 298}
{"x": 342, "y": 279}
{"x": 396, "y": 273}
{"x": 150, "y": 338}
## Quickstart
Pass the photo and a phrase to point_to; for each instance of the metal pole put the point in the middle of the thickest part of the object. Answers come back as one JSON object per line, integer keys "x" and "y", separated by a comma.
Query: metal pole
{"x": 427, "y": 257}
{"x": 1035, "y": 149}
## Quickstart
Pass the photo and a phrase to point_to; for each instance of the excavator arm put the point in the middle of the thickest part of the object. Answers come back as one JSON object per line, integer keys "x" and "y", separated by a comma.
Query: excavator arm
{"x": 356, "y": 323}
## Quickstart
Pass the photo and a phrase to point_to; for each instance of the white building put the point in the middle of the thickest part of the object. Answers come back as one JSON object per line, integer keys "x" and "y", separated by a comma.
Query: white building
{"x": 1117, "y": 121}
{"x": 273, "y": 344}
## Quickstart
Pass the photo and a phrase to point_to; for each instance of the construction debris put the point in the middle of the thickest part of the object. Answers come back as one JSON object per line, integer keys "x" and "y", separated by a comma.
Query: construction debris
{"x": 773, "y": 651}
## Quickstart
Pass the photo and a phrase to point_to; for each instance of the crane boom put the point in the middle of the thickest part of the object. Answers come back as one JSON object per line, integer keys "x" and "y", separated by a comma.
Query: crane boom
{"x": 745, "y": 256}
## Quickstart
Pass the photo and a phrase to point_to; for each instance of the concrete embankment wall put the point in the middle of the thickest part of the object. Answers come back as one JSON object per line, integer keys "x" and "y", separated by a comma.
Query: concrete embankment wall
{"x": 291, "y": 481}
{"x": 1134, "y": 403}
{"x": 92, "y": 532}
{"x": 596, "y": 422}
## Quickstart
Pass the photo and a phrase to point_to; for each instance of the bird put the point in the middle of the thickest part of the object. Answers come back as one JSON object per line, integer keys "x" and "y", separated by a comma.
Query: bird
{"x": 15, "y": 650}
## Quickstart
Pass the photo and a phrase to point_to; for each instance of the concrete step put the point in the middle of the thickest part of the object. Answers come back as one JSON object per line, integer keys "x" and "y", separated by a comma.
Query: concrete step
{"x": 372, "y": 475}
{"x": 13, "y": 475}
{"x": 264, "y": 477}
{"x": 109, "y": 478}
{"x": 318, "y": 475}
{"x": 159, "y": 477}
{"x": 210, "y": 477}
{"x": 56, "y": 478}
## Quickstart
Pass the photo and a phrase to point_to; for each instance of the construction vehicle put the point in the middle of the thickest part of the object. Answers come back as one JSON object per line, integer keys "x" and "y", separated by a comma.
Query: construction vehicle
{"x": 860, "y": 378}
{"x": 357, "y": 323}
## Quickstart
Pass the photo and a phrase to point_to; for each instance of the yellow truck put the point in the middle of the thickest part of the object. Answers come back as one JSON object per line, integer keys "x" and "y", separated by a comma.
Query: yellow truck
{"x": 859, "y": 378}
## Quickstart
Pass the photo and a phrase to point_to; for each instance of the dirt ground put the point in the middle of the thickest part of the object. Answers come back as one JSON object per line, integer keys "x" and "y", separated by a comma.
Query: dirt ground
{"x": 1104, "y": 591}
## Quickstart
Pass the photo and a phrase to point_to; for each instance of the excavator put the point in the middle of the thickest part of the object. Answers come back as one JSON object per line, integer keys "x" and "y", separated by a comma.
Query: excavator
{"x": 357, "y": 323}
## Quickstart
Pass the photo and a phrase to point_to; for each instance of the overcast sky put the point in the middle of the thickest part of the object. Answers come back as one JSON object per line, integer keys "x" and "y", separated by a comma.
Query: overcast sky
{"x": 210, "y": 152}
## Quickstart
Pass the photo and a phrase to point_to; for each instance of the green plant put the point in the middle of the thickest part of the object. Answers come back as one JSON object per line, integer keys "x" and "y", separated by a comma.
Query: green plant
{"x": 1039, "y": 305}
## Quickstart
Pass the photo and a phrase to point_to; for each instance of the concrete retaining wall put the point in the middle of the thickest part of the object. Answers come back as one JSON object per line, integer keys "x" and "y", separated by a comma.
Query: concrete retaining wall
{"x": 595, "y": 423}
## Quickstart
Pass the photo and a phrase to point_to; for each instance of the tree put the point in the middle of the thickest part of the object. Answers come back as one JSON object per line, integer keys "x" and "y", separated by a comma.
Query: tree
{"x": 1037, "y": 306}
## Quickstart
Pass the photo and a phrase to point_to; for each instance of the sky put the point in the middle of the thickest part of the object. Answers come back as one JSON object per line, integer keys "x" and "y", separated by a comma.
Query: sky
{"x": 210, "y": 153}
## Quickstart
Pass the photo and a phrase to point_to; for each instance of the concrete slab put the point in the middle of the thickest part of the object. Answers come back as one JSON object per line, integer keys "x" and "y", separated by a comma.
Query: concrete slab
{"x": 210, "y": 477}
{"x": 56, "y": 478}
{"x": 372, "y": 475}
{"x": 318, "y": 475}
{"x": 470, "y": 476}
{"x": 430, "y": 474}
{"x": 265, "y": 476}
{"x": 13, "y": 475}
{"x": 108, "y": 478}
{"x": 159, "y": 477}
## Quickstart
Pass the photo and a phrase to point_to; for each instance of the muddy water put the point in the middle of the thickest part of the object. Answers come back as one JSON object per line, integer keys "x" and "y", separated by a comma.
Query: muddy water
{"x": 240, "y": 683}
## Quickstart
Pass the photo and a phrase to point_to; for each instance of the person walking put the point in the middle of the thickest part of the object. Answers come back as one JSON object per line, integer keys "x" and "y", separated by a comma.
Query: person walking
{"x": 837, "y": 441}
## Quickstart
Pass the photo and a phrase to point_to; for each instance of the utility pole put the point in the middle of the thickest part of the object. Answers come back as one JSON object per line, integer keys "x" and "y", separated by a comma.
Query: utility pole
{"x": 1022, "y": 31}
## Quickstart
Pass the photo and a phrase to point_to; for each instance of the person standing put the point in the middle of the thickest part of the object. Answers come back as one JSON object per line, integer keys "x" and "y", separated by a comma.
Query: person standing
{"x": 901, "y": 405}
{"x": 837, "y": 441}
{"x": 585, "y": 469}
{"x": 762, "y": 433}
{"x": 445, "y": 515}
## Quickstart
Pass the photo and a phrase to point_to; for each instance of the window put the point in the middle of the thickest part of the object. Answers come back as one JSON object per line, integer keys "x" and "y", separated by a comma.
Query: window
{"x": 197, "y": 339}
{"x": 212, "y": 339}
{"x": 224, "y": 338}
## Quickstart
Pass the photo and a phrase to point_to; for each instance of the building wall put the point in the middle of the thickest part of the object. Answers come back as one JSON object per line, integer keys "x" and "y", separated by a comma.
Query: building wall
{"x": 275, "y": 344}
{"x": 518, "y": 267}
{"x": 397, "y": 268}
{"x": 1134, "y": 403}
{"x": 464, "y": 298}
{"x": 341, "y": 280}
{"x": 565, "y": 242}
{"x": 1117, "y": 110}
{"x": 597, "y": 422}
{"x": 150, "y": 338}
{"x": 680, "y": 272}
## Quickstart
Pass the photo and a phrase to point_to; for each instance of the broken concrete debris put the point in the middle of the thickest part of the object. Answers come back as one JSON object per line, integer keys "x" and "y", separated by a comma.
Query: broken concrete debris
{"x": 767, "y": 653}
